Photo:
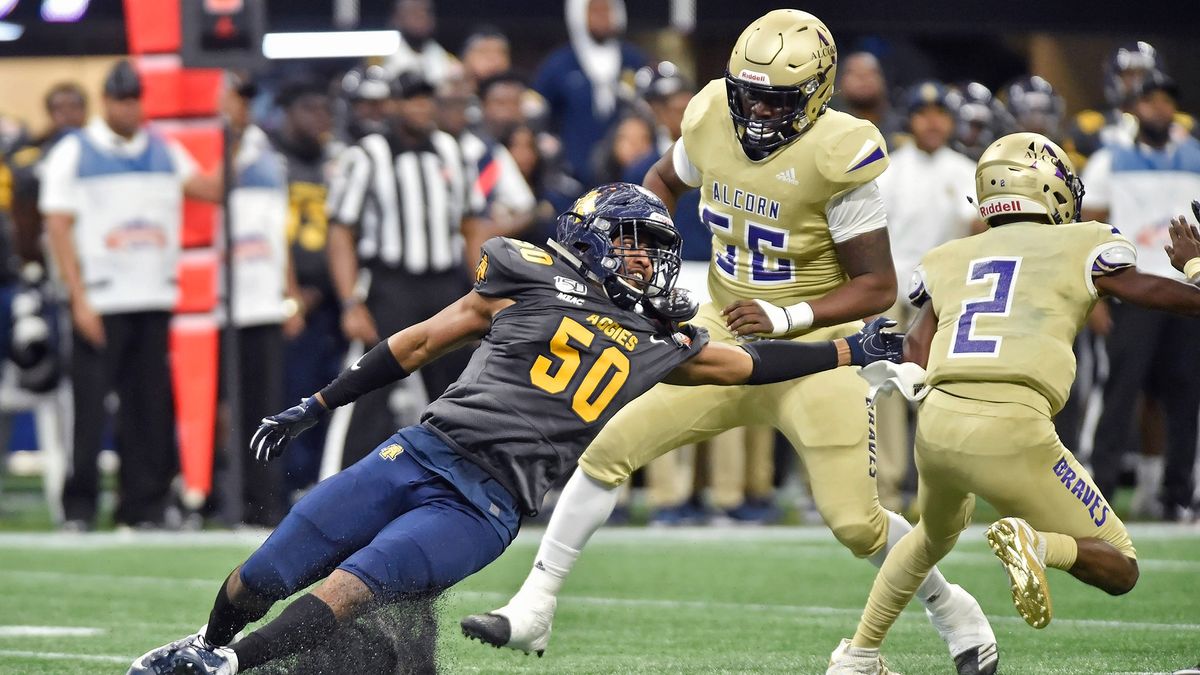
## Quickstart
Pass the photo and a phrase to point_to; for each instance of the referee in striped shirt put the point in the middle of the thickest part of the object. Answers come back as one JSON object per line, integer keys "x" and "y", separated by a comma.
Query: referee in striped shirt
{"x": 400, "y": 207}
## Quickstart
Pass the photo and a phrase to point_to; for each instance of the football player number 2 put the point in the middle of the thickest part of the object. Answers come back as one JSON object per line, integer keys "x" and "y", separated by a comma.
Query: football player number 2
{"x": 554, "y": 375}
{"x": 1001, "y": 275}
{"x": 761, "y": 241}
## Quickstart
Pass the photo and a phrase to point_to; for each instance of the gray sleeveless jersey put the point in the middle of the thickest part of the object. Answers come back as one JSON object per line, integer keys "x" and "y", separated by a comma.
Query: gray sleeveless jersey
{"x": 552, "y": 370}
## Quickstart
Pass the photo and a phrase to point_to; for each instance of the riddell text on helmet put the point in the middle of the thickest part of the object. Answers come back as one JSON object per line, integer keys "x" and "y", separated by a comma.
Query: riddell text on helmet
{"x": 1006, "y": 206}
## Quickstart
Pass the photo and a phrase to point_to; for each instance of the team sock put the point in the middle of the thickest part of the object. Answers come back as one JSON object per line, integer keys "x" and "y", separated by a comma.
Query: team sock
{"x": 1058, "y": 550}
{"x": 584, "y": 506}
{"x": 935, "y": 585}
{"x": 228, "y": 617}
{"x": 899, "y": 577}
{"x": 302, "y": 625}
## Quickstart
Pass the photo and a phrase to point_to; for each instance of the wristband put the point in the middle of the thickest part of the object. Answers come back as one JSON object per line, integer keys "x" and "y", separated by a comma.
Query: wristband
{"x": 784, "y": 320}
{"x": 375, "y": 369}
{"x": 1191, "y": 269}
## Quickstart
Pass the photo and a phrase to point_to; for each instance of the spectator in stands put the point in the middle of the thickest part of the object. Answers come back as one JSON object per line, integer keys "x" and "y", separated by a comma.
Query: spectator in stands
{"x": 667, "y": 92}
{"x": 1138, "y": 187}
{"x": 66, "y": 108}
{"x": 112, "y": 202}
{"x": 925, "y": 195}
{"x": 554, "y": 189}
{"x": 501, "y": 104}
{"x": 862, "y": 92}
{"x": 627, "y": 146}
{"x": 510, "y": 202}
{"x": 418, "y": 52}
{"x": 485, "y": 54}
{"x": 264, "y": 308}
{"x": 314, "y": 356}
{"x": 581, "y": 82}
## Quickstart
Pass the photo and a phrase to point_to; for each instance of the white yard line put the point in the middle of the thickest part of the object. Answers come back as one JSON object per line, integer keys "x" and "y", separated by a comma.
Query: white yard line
{"x": 641, "y": 535}
{"x": 49, "y": 631}
{"x": 691, "y": 605}
{"x": 60, "y": 656}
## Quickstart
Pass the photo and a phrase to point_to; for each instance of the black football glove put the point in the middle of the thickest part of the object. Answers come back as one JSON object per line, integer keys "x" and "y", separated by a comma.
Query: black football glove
{"x": 277, "y": 431}
{"x": 871, "y": 344}
{"x": 676, "y": 306}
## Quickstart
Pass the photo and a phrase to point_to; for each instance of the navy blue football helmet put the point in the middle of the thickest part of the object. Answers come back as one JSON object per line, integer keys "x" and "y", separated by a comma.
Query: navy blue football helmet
{"x": 1124, "y": 70}
{"x": 610, "y": 234}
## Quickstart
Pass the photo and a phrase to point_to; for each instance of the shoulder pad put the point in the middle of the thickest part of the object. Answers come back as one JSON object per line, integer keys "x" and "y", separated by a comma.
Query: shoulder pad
{"x": 1090, "y": 121}
{"x": 701, "y": 105}
{"x": 507, "y": 265}
{"x": 852, "y": 151}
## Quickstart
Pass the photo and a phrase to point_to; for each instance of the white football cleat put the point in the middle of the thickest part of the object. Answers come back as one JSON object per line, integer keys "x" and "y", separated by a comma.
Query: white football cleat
{"x": 966, "y": 631}
{"x": 155, "y": 660}
{"x": 523, "y": 624}
{"x": 1022, "y": 550}
{"x": 847, "y": 660}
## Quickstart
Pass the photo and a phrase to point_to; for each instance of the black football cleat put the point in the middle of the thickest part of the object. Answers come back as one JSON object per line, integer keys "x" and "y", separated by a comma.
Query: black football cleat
{"x": 492, "y": 629}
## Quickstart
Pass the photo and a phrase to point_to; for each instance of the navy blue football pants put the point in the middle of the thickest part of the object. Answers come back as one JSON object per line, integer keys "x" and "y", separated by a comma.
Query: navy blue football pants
{"x": 387, "y": 520}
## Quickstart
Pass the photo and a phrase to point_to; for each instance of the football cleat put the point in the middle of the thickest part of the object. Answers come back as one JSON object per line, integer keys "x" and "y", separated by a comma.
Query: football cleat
{"x": 200, "y": 657}
{"x": 847, "y": 660}
{"x": 962, "y": 625}
{"x": 520, "y": 625}
{"x": 1188, "y": 671}
{"x": 1015, "y": 543}
{"x": 157, "y": 661}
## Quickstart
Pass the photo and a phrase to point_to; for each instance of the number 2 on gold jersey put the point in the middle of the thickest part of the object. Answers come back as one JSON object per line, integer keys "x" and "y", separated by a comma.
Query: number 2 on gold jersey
{"x": 585, "y": 402}
{"x": 1001, "y": 274}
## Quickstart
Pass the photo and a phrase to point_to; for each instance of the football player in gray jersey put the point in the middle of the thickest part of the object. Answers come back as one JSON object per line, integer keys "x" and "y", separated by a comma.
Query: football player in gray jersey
{"x": 570, "y": 333}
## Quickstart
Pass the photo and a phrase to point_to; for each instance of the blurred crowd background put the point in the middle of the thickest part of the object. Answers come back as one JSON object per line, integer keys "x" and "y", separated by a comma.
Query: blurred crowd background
{"x": 360, "y": 190}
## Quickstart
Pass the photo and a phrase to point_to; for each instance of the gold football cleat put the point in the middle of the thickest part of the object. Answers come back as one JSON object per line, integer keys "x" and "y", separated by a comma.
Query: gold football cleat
{"x": 1015, "y": 544}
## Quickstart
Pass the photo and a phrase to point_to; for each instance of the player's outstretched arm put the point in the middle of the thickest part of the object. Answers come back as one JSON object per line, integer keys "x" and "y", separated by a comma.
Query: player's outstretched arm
{"x": 467, "y": 319}
{"x": 1155, "y": 292}
{"x": 771, "y": 361}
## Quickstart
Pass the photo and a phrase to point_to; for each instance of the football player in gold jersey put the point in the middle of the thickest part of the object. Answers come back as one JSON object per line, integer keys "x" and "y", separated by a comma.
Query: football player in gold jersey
{"x": 800, "y": 250}
{"x": 999, "y": 312}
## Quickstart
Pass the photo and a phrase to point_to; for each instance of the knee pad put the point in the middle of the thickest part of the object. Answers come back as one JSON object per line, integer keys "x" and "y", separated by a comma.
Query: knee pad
{"x": 262, "y": 576}
{"x": 864, "y": 538}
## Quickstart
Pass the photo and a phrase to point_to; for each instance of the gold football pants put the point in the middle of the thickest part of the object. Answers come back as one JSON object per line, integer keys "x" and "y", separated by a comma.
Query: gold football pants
{"x": 823, "y": 415}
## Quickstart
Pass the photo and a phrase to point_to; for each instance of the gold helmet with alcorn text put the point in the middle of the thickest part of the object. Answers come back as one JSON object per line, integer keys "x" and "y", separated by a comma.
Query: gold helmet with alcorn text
{"x": 1027, "y": 173}
{"x": 782, "y": 64}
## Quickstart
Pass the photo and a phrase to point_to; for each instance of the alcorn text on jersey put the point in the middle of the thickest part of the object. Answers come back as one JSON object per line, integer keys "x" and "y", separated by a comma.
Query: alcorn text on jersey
{"x": 771, "y": 237}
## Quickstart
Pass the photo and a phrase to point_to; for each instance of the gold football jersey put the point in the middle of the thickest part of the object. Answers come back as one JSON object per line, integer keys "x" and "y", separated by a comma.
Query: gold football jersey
{"x": 771, "y": 238}
{"x": 1009, "y": 302}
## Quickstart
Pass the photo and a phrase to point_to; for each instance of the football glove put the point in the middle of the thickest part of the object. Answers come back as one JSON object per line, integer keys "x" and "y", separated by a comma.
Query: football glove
{"x": 871, "y": 344}
{"x": 277, "y": 431}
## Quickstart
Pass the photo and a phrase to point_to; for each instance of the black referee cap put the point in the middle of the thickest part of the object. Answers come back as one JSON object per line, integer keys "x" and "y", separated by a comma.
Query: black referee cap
{"x": 123, "y": 82}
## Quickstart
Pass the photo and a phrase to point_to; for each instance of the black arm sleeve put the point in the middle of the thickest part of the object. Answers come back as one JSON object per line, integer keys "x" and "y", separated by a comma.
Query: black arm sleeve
{"x": 375, "y": 369}
{"x": 779, "y": 360}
